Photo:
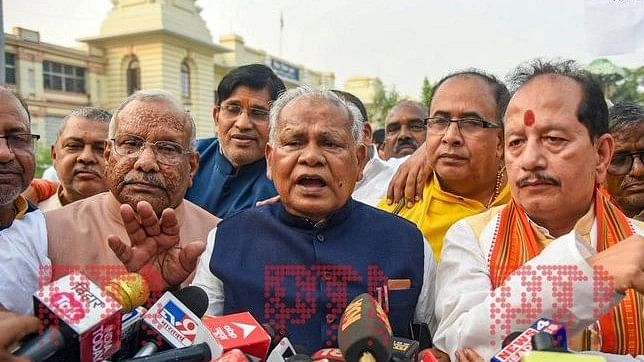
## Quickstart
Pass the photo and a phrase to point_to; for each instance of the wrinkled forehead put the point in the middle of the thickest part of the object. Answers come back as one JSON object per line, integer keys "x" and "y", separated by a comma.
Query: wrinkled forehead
{"x": 404, "y": 114}
{"x": 144, "y": 117}
{"x": 632, "y": 133}
{"x": 311, "y": 109}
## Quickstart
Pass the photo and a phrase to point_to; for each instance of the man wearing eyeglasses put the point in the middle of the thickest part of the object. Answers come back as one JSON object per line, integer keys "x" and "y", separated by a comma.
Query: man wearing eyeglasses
{"x": 465, "y": 147}
{"x": 404, "y": 129}
{"x": 232, "y": 172}
{"x": 560, "y": 249}
{"x": 625, "y": 179}
{"x": 22, "y": 226}
{"x": 150, "y": 162}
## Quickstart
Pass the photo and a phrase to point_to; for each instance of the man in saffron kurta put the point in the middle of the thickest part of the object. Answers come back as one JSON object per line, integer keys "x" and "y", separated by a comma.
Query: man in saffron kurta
{"x": 560, "y": 249}
{"x": 466, "y": 156}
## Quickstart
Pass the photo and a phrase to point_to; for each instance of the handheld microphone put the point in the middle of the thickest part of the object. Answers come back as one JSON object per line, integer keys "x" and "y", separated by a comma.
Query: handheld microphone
{"x": 199, "y": 352}
{"x": 541, "y": 356}
{"x": 365, "y": 333}
{"x": 84, "y": 322}
{"x": 173, "y": 322}
{"x": 234, "y": 355}
{"x": 328, "y": 354}
{"x": 405, "y": 350}
{"x": 239, "y": 331}
{"x": 281, "y": 351}
{"x": 523, "y": 343}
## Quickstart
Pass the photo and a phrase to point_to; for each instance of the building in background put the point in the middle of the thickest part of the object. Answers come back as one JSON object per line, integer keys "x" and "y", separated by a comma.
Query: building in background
{"x": 142, "y": 44}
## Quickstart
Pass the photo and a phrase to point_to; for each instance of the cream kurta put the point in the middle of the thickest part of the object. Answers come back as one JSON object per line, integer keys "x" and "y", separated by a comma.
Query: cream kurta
{"x": 78, "y": 232}
{"x": 465, "y": 301}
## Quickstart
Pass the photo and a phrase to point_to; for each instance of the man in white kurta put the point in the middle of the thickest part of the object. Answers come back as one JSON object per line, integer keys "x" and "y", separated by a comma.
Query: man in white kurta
{"x": 546, "y": 254}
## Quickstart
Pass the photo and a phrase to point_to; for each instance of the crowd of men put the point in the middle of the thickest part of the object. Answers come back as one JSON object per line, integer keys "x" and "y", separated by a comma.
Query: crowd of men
{"x": 293, "y": 209}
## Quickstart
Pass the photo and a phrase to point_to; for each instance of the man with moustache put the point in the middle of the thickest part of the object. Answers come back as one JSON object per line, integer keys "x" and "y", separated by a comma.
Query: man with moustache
{"x": 404, "y": 129}
{"x": 22, "y": 227}
{"x": 77, "y": 155}
{"x": 464, "y": 147}
{"x": 560, "y": 249}
{"x": 232, "y": 172}
{"x": 304, "y": 258}
{"x": 150, "y": 162}
{"x": 625, "y": 179}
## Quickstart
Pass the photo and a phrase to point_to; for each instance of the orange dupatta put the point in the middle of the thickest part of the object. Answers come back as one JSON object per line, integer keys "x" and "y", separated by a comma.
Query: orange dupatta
{"x": 515, "y": 243}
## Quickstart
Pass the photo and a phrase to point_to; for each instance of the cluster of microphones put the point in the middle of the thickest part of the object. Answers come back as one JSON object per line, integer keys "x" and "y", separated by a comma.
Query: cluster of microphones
{"x": 82, "y": 322}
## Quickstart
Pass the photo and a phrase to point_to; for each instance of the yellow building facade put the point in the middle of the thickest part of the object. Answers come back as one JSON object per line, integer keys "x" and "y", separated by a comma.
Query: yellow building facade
{"x": 142, "y": 44}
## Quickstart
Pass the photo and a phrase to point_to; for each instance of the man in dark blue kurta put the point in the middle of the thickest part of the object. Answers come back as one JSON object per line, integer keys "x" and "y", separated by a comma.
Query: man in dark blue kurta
{"x": 232, "y": 169}
{"x": 297, "y": 264}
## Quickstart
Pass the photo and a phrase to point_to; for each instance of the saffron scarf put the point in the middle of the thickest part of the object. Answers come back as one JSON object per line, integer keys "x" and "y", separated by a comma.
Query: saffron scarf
{"x": 515, "y": 243}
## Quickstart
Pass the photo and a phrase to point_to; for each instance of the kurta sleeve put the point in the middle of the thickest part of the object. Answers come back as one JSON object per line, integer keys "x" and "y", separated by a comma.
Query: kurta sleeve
{"x": 471, "y": 314}
{"x": 207, "y": 281}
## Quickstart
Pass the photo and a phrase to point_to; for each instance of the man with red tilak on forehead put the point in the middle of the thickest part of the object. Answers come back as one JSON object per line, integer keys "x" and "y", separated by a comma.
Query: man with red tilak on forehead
{"x": 560, "y": 249}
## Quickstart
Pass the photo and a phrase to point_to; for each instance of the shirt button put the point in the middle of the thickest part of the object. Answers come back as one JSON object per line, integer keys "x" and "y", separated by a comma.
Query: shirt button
{"x": 330, "y": 318}
{"x": 320, "y": 237}
{"x": 327, "y": 276}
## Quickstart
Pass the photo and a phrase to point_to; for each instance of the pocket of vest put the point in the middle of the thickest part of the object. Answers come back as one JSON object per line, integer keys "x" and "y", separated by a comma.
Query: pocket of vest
{"x": 402, "y": 305}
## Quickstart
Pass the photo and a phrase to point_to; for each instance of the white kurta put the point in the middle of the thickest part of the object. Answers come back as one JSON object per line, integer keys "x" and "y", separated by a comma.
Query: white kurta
{"x": 375, "y": 180}
{"x": 471, "y": 315}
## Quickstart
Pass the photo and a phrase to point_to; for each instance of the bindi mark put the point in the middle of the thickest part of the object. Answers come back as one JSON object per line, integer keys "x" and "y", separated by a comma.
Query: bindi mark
{"x": 528, "y": 118}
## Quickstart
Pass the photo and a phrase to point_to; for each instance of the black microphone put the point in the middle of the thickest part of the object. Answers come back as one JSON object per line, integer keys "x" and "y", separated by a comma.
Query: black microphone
{"x": 172, "y": 309}
{"x": 365, "y": 333}
{"x": 199, "y": 352}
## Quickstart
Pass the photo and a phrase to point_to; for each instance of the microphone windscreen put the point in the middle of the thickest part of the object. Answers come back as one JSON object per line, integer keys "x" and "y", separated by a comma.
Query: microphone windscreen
{"x": 194, "y": 298}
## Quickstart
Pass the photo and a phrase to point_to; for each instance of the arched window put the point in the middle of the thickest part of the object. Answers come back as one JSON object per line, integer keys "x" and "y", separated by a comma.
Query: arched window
{"x": 133, "y": 76}
{"x": 185, "y": 80}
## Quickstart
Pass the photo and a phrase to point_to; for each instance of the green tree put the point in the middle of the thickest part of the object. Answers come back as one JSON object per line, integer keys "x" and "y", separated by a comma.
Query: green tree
{"x": 619, "y": 84}
{"x": 43, "y": 159}
{"x": 426, "y": 92}
{"x": 383, "y": 101}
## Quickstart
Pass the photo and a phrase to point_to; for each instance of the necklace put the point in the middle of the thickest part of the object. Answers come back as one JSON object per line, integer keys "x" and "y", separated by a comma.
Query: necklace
{"x": 497, "y": 187}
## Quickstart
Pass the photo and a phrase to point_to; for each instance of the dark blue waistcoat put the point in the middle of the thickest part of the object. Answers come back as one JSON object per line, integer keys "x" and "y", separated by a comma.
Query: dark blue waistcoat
{"x": 300, "y": 276}
{"x": 223, "y": 190}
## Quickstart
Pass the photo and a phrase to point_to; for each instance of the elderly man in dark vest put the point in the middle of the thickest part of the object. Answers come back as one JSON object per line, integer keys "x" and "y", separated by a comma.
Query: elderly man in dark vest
{"x": 298, "y": 263}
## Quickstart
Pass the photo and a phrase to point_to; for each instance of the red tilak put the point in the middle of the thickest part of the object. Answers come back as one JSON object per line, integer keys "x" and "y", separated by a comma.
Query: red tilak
{"x": 528, "y": 118}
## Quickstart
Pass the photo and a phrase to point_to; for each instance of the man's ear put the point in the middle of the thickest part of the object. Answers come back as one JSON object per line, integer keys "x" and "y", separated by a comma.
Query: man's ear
{"x": 193, "y": 160}
{"x": 215, "y": 114}
{"x": 108, "y": 150}
{"x": 367, "y": 133}
{"x": 268, "y": 153}
{"x": 500, "y": 145}
{"x": 605, "y": 147}
{"x": 52, "y": 152}
{"x": 361, "y": 153}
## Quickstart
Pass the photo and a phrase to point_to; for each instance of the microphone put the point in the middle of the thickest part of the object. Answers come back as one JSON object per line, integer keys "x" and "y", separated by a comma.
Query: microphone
{"x": 234, "y": 355}
{"x": 84, "y": 322}
{"x": 239, "y": 331}
{"x": 281, "y": 351}
{"x": 130, "y": 333}
{"x": 328, "y": 354}
{"x": 199, "y": 352}
{"x": 523, "y": 342}
{"x": 541, "y": 356}
{"x": 365, "y": 333}
{"x": 405, "y": 350}
{"x": 174, "y": 322}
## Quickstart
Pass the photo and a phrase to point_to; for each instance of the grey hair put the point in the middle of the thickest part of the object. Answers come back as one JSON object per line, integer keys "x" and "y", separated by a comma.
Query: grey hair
{"x": 625, "y": 115}
{"x": 355, "y": 117}
{"x": 155, "y": 95}
{"x": 92, "y": 113}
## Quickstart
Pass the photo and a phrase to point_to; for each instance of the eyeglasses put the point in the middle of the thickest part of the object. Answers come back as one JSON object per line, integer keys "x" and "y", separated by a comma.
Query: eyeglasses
{"x": 622, "y": 163}
{"x": 230, "y": 111}
{"x": 468, "y": 126}
{"x": 167, "y": 152}
{"x": 21, "y": 142}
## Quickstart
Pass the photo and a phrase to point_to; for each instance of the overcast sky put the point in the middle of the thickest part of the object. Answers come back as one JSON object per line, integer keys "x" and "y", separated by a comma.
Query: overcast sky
{"x": 399, "y": 41}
